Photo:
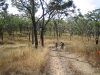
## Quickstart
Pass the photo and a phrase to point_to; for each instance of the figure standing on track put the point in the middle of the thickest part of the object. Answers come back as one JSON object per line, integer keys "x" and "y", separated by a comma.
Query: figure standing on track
{"x": 96, "y": 41}
{"x": 56, "y": 44}
{"x": 62, "y": 45}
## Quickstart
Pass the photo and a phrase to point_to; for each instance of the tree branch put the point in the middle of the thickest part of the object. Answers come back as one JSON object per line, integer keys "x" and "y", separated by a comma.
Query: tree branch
{"x": 26, "y": 7}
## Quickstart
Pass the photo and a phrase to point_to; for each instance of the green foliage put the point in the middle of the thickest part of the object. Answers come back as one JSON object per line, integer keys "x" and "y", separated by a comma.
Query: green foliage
{"x": 97, "y": 24}
{"x": 59, "y": 4}
{"x": 3, "y": 6}
{"x": 25, "y": 6}
{"x": 94, "y": 18}
{"x": 2, "y": 2}
{"x": 10, "y": 23}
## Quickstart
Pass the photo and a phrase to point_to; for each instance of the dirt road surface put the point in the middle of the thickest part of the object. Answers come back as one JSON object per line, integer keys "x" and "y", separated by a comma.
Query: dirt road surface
{"x": 64, "y": 63}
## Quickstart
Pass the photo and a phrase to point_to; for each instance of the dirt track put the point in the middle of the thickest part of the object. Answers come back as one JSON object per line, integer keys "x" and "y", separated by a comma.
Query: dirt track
{"x": 65, "y": 63}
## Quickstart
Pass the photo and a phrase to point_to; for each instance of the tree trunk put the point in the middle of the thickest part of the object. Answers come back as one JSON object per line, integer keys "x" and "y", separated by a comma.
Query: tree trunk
{"x": 42, "y": 37}
{"x": 50, "y": 30}
{"x": 35, "y": 34}
{"x": 34, "y": 27}
{"x": 70, "y": 37}
{"x": 42, "y": 29}
{"x": 29, "y": 35}
{"x": 56, "y": 28}
{"x": 32, "y": 35}
{"x": 13, "y": 34}
{"x": 2, "y": 38}
{"x": 54, "y": 32}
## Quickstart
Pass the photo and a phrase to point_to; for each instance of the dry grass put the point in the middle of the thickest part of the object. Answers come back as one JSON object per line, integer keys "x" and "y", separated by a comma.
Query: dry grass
{"x": 87, "y": 49}
{"x": 74, "y": 70}
{"x": 84, "y": 47}
{"x": 26, "y": 61}
{"x": 17, "y": 39}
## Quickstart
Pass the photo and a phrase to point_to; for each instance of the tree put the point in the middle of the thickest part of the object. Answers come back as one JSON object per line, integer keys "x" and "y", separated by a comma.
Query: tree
{"x": 71, "y": 26}
{"x": 48, "y": 11}
{"x": 3, "y": 12}
{"x": 1, "y": 28}
{"x": 10, "y": 25}
{"x": 61, "y": 8}
{"x": 45, "y": 14}
{"x": 29, "y": 7}
{"x": 93, "y": 17}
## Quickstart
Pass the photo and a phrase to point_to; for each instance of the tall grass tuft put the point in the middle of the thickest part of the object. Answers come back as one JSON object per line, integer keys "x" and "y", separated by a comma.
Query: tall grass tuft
{"x": 86, "y": 48}
{"x": 23, "y": 62}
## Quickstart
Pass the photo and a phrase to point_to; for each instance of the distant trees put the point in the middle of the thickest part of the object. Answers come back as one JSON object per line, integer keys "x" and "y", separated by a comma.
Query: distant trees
{"x": 48, "y": 11}
{"x": 85, "y": 25}
{"x": 1, "y": 28}
{"x": 62, "y": 10}
{"x": 58, "y": 16}
{"x": 71, "y": 26}
{"x": 10, "y": 24}
{"x": 94, "y": 18}
{"x": 3, "y": 12}
{"x": 29, "y": 7}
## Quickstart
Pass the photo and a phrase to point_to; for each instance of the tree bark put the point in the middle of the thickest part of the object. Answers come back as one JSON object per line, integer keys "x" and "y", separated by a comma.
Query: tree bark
{"x": 35, "y": 32}
{"x": 2, "y": 37}
{"x": 29, "y": 36}
{"x": 56, "y": 29}
{"x": 34, "y": 27}
{"x": 42, "y": 37}
{"x": 42, "y": 29}
{"x": 32, "y": 35}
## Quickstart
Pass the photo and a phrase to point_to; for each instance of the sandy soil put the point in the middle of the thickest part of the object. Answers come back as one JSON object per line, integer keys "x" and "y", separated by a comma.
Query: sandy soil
{"x": 64, "y": 63}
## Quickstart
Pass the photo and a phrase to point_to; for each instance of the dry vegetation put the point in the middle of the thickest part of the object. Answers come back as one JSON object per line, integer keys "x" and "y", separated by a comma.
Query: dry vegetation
{"x": 83, "y": 47}
{"x": 87, "y": 49}
{"x": 70, "y": 66}
{"x": 22, "y": 60}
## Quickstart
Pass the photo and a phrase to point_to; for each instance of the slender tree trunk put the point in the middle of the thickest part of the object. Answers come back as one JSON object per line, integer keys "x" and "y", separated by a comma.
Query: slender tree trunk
{"x": 82, "y": 36}
{"x": 35, "y": 34}
{"x": 2, "y": 38}
{"x": 70, "y": 37}
{"x": 88, "y": 38}
{"x": 13, "y": 34}
{"x": 28, "y": 30}
{"x": 54, "y": 32}
{"x": 32, "y": 35}
{"x": 56, "y": 28}
{"x": 70, "y": 33}
{"x": 29, "y": 35}
{"x": 34, "y": 27}
{"x": 42, "y": 37}
{"x": 50, "y": 32}
{"x": 42, "y": 29}
{"x": 1, "y": 35}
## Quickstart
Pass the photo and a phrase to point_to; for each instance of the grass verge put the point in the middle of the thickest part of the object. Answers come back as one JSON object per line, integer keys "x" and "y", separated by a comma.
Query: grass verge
{"x": 23, "y": 62}
{"x": 88, "y": 49}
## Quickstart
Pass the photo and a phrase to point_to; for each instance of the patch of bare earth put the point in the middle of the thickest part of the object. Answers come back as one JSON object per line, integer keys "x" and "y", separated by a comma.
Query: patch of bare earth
{"x": 64, "y": 63}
